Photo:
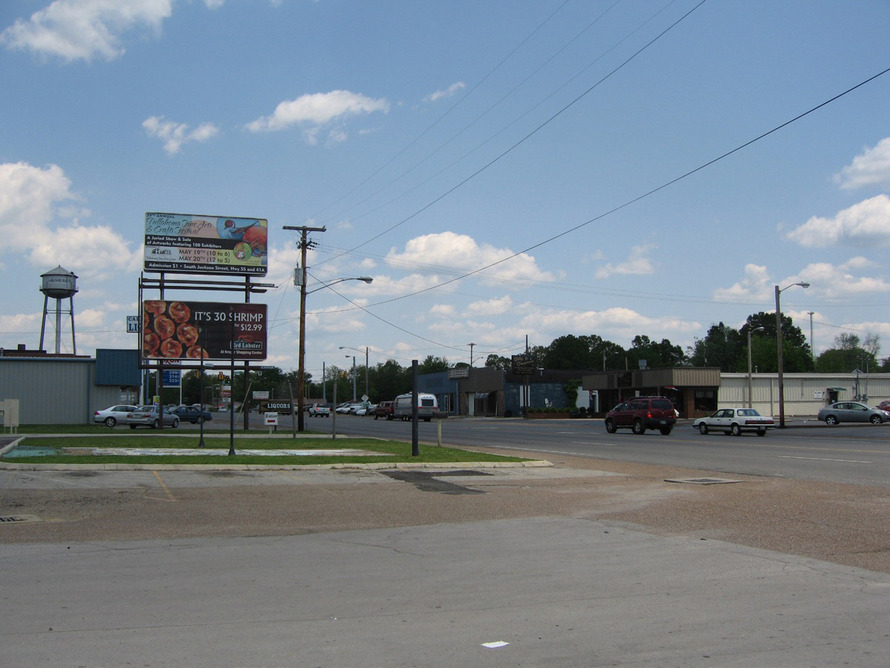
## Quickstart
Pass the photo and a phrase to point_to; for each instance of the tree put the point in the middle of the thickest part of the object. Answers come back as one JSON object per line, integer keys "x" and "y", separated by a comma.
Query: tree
{"x": 722, "y": 347}
{"x": 498, "y": 362}
{"x": 657, "y": 355}
{"x": 389, "y": 380}
{"x": 848, "y": 355}
{"x": 433, "y": 365}
{"x": 568, "y": 352}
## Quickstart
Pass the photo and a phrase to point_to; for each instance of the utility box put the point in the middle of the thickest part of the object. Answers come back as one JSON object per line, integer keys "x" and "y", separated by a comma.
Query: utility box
{"x": 9, "y": 409}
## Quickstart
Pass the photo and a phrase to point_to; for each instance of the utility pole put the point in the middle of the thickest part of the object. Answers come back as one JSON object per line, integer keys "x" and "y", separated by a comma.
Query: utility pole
{"x": 304, "y": 244}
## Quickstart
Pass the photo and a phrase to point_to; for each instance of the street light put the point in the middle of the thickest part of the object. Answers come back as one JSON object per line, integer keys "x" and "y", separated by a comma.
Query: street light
{"x": 301, "y": 370}
{"x": 353, "y": 377}
{"x": 367, "y": 393}
{"x": 779, "y": 350}
{"x": 756, "y": 329}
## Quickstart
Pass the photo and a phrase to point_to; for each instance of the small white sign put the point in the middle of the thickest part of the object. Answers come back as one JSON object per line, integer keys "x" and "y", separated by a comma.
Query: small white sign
{"x": 271, "y": 419}
{"x": 132, "y": 324}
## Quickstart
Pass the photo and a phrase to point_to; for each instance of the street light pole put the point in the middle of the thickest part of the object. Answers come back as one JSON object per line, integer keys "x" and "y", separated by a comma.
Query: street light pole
{"x": 353, "y": 377}
{"x": 749, "y": 362}
{"x": 779, "y": 350}
{"x": 367, "y": 384}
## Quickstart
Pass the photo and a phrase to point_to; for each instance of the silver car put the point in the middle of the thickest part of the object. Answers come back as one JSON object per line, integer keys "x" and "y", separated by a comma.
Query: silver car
{"x": 113, "y": 414}
{"x": 148, "y": 416}
{"x": 851, "y": 411}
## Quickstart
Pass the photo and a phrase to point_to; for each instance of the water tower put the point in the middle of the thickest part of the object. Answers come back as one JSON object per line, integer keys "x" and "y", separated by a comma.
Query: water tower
{"x": 58, "y": 284}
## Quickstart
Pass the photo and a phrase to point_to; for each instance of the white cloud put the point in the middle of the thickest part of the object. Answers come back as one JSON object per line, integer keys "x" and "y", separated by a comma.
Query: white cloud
{"x": 491, "y": 307}
{"x": 843, "y": 281}
{"x": 174, "y": 135}
{"x": 869, "y": 168}
{"x": 637, "y": 263}
{"x": 84, "y": 29}
{"x": 448, "y": 92}
{"x": 451, "y": 253}
{"x": 28, "y": 198}
{"x": 755, "y": 285}
{"x": 97, "y": 252}
{"x": 864, "y": 224}
{"x": 314, "y": 111}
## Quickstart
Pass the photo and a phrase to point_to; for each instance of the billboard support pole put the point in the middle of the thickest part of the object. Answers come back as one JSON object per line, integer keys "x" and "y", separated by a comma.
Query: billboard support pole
{"x": 232, "y": 392}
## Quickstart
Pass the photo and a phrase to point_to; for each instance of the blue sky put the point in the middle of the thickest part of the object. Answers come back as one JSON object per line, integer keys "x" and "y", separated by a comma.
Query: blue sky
{"x": 503, "y": 169}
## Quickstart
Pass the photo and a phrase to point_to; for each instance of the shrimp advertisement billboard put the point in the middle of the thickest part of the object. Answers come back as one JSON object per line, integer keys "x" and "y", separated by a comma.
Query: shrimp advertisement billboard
{"x": 192, "y": 244}
{"x": 209, "y": 330}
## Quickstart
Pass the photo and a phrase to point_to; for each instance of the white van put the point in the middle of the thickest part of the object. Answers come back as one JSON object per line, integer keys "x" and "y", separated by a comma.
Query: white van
{"x": 426, "y": 411}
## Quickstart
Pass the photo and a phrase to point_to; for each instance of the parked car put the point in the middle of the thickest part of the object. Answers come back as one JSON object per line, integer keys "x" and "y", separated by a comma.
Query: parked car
{"x": 319, "y": 410}
{"x": 884, "y": 406}
{"x": 851, "y": 411}
{"x": 642, "y": 413}
{"x": 147, "y": 416}
{"x": 384, "y": 410}
{"x": 113, "y": 414}
{"x": 735, "y": 421}
{"x": 192, "y": 414}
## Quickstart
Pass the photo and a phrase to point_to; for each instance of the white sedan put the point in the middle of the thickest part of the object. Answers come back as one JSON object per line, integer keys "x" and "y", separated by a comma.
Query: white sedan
{"x": 113, "y": 414}
{"x": 735, "y": 421}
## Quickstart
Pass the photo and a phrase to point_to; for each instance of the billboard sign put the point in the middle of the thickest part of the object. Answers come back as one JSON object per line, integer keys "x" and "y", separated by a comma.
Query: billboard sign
{"x": 524, "y": 365}
{"x": 192, "y": 244}
{"x": 192, "y": 330}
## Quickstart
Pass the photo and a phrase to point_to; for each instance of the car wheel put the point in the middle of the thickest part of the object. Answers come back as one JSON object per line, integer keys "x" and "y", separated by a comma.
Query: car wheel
{"x": 761, "y": 432}
{"x": 132, "y": 426}
{"x": 110, "y": 422}
{"x": 875, "y": 419}
{"x": 665, "y": 430}
{"x": 200, "y": 420}
{"x": 175, "y": 423}
{"x": 735, "y": 430}
{"x": 154, "y": 425}
{"x": 831, "y": 420}
{"x": 703, "y": 428}
{"x": 638, "y": 427}
{"x": 610, "y": 426}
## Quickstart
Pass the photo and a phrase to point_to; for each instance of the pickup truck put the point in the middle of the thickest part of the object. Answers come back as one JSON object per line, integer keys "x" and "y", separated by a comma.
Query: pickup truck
{"x": 319, "y": 410}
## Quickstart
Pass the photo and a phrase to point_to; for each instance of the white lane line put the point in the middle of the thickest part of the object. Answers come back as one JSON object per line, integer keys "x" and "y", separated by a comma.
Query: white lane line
{"x": 825, "y": 459}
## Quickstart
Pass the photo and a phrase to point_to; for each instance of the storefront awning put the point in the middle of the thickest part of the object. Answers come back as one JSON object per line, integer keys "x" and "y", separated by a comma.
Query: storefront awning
{"x": 837, "y": 389}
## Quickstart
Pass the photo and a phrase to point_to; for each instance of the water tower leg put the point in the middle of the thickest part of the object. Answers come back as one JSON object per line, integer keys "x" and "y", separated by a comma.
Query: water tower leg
{"x": 43, "y": 322}
{"x": 71, "y": 310}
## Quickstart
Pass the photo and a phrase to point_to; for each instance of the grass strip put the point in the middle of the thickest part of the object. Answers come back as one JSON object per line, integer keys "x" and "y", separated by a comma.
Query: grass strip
{"x": 391, "y": 451}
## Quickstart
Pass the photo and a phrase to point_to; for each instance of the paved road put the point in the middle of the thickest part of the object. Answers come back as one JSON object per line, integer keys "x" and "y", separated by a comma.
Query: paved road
{"x": 854, "y": 454}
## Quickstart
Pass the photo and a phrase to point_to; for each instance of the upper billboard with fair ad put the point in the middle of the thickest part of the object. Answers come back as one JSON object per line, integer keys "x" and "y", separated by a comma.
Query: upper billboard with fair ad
{"x": 185, "y": 243}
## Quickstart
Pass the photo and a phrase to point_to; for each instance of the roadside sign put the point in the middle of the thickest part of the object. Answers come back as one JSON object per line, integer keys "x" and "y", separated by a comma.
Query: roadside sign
{"x": 132, "y": 324}
{"x": 172, "y": 377}
{"x": 271, "y": 419}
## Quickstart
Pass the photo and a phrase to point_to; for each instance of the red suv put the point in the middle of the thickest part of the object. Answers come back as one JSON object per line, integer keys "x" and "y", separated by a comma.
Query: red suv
{"x": 642, "y": 413}
{"x": 384, "y": 410}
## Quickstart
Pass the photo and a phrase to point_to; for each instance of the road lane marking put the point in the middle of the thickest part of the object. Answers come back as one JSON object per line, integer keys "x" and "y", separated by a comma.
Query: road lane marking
{"x": 825, "y": 459}
{"x": 164, "y": 487}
